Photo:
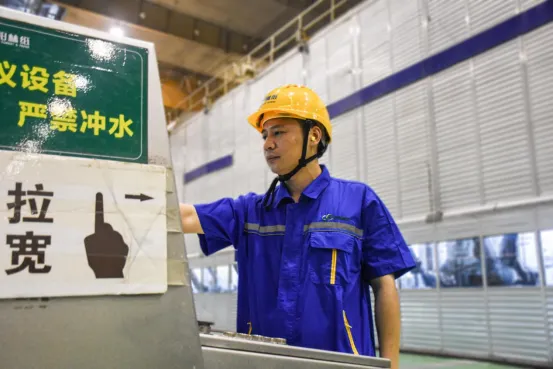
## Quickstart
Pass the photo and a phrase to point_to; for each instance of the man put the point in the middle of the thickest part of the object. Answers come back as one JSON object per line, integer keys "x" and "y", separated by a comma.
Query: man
{"x": 308, "y": 249}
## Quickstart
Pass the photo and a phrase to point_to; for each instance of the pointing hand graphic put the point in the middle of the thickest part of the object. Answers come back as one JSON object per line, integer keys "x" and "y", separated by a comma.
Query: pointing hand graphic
{"x": 105, "y": 248}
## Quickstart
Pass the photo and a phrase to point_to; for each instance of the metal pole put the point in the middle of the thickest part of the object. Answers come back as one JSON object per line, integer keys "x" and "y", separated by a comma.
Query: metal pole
{"x": 272, "y": 53}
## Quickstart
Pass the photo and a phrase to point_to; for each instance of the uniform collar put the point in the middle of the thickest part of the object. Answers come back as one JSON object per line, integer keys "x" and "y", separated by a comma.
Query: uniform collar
{"x": 313, "y": 190}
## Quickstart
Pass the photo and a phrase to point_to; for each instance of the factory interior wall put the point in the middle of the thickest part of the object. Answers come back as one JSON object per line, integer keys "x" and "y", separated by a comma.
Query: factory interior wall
{"x": 460, "y": 150}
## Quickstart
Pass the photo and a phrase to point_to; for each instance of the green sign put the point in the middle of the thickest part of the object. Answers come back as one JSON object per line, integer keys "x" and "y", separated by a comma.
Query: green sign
{"x": 67, "y": 94}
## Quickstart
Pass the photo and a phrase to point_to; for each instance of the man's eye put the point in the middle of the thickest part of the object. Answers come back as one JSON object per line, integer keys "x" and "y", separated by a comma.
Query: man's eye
{"x": 278, "y": 133}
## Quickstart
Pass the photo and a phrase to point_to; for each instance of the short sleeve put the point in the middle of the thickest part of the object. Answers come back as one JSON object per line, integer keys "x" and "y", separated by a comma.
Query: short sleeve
{"x": 222, "y": 222}
{"x": 384, "y": 248}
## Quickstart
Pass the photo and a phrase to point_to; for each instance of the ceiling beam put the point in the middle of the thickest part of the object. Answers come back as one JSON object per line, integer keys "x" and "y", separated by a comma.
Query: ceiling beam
{"x": 170, "y": 50}
{"x": 167, "y": 20}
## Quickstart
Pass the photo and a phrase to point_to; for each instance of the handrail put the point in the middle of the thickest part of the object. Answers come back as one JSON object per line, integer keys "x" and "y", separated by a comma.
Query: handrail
{"x": 225, "y": 80}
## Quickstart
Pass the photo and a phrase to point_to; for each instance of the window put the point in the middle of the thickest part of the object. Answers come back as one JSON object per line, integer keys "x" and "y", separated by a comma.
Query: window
{"x": 223, "y": 278}
{"x": 547, "y": 255}
{"x": 512, "y": 260}
{"x": 210, "y": 279}
{"x": 234, "y": 277}
{"x": 196, "y": 280}
{"x": 460, "y": 264}
{"x": 424, "y": 274}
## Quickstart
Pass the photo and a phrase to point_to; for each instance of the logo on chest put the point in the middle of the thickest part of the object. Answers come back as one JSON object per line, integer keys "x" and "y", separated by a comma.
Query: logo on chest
{"x": 332, "y": 218}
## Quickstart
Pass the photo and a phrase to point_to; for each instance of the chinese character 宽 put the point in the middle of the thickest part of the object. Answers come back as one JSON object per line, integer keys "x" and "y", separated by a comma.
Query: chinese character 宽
{"x": 121, "y": 126}
{"x": 30, "y": 110}
{"x": 65, "y": 84}
{"x": 19, "y": 201}
{"x": 6, "y": 74}
{"x": 95, "y": 122}
{"x": 28, "y": 251}
{"x": 35, "y": 79}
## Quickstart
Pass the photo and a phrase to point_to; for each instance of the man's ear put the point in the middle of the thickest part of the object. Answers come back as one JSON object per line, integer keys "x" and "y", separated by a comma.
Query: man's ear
{"x": 315, "y": 136}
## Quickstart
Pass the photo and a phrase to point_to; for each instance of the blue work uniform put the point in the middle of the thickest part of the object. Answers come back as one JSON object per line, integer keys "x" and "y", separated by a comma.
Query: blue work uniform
{"x": 303, "y": 268}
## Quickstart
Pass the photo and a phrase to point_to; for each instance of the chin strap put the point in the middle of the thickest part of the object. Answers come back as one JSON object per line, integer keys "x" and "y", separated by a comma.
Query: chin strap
{"x": 270, "y": 195}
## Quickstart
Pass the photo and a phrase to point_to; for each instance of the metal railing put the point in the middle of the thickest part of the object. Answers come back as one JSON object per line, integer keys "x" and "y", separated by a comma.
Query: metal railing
{"x": 294, "y": 33}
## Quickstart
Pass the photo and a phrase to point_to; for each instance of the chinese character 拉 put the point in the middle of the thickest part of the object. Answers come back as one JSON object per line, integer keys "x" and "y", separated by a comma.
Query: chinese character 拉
{"x": 121, "y": 126}
{"x": 66, "y": 120}
{"x": 65, "y": 84}
{"x": 31, "y": 110}
{"x": 6, "y": 74}
{"x": 35, "y": 79}
{"x": 28, "y": 252}
{"x": 20, "y": 201}
{"x": 95, "y": 122}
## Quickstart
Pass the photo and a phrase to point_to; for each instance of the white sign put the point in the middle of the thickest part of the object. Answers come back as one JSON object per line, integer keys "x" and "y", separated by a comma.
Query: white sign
{"x": 72, "y": 226}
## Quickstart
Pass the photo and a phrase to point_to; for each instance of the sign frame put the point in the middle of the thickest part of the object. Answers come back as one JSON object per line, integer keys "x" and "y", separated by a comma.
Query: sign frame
{"x": 142, "y": 52}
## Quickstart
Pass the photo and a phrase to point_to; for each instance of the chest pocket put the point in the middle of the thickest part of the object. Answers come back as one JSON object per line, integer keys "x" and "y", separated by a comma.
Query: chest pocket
{"x": 333, "y": 257}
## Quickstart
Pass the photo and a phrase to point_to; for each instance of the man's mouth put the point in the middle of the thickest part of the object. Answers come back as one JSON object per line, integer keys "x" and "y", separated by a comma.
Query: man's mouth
{"x": 272, "y": 159}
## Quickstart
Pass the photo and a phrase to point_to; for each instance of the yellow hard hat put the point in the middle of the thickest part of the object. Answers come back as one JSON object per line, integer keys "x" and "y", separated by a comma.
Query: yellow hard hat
{"x": 292, "y": 101}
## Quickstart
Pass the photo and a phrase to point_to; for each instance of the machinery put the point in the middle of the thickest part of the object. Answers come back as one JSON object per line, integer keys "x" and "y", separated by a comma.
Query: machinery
{"x": 237, "y": 350}
{"x": 77, "y": 288}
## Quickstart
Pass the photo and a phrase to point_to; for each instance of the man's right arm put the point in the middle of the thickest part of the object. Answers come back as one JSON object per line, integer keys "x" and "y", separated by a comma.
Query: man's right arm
{"x": 218, "y": 224}
{"x": 190, "y": 220}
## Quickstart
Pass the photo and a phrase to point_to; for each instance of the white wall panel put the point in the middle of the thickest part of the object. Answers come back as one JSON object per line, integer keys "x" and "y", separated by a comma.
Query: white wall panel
{"x": 484, "y": 14}
{"x": 513, "y": 316}
{"x": 219, "y": 186}
{"x": 406, "y": 33}
{"x": 339, "y": 65}
{"x": 526, "y": 4}
{"x": 266, "y": 82}
{"x": 219, "y": 121}
{"x": 549, "y": 318}
{"x": 463, "y": 315}
{"x": 255, "y": 163}
{"x": 447, "y": 25}
{"x": 293, "y": 70}
{"x": 419, "y": 324}
{"x": 214, "y": 130}
{"x": 344, "y": 154}
{"x": 252, "y": 161}
{"x": 457, "y": 137}
{"x": 197, "y": 152}
{"x": 375, "y": 43}
{"x": 501, "y": 116}
{"x": 381, "y": 156}
{"x": 241, "y": 140}
{"x": 539, "y": 54}
{"x": 413, "y": 148}
{"x": 316, "y": 68}
{"x": 178, "y": 155}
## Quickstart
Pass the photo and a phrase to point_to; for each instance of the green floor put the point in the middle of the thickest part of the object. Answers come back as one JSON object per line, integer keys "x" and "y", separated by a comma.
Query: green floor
{"x": 410, "y": 361}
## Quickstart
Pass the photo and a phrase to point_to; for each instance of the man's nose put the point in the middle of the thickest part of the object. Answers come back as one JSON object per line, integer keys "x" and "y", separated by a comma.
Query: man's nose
{"x": 269, "y": 144}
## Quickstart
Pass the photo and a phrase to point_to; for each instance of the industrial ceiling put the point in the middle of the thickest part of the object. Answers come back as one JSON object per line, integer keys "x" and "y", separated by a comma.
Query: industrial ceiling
{"x": 194, "y": 39}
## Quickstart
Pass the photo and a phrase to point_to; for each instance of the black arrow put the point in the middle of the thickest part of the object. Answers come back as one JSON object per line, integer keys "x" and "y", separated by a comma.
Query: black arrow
{"x": 140, "y": 197}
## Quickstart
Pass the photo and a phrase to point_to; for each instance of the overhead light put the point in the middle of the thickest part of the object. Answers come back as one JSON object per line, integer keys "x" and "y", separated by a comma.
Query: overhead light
{"x": 117, "y": 31}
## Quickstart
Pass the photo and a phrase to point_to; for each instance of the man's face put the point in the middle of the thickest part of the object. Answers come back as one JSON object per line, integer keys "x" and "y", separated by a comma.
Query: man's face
{"x": 283, "y": 144}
